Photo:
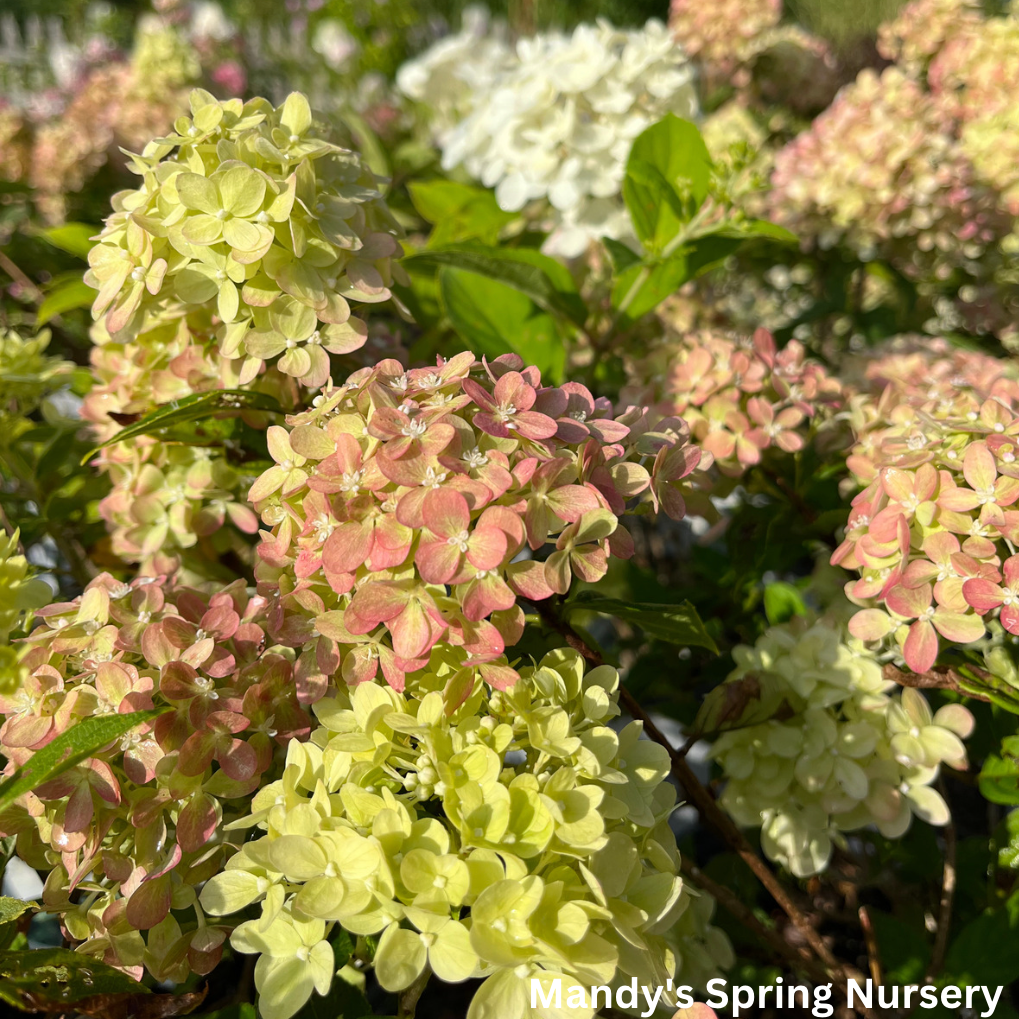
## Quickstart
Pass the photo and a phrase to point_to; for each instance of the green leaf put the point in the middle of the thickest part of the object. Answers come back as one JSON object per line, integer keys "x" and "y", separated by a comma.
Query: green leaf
{"x": 999, "y": 780}
{"x": 622, "y": 255}
{"x": 540, "y": 278}
{"x": 782, "y": 601}
{"x": 64, "y": 297}
{"x": 649, "y": 285}
{"x": 495, "y": 319}
{"x": 986, "y": 951}
{"x": 11, "y": 909}
{"x": 667, "y": 178}
{"x": 58, "y": 976}
{"x": 458, "y": 212}
{"x": 192, "y": 408}
{"x": 74, "y": 238}
{"x": 676, "y": 624}
{"x": 68, "y": 749}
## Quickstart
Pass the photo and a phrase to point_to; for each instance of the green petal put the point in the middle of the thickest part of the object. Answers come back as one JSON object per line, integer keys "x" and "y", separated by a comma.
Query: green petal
{"x": 202, "y": 229}
{"x": 241, "y": 234}
{"x": 296, "y": 115}
{"x": 198, "y": 192}
{"x": 400, "y": 958}
{"x": 242, "y": 190}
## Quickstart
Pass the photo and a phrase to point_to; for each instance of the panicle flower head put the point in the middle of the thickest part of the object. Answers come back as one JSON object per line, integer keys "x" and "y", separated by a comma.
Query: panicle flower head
{"x": 936, "y": 449}
{"x": 558, "y": 119}
{"x": 27, "y": 375}
{"x": 138, "y": 825}
{"x": 245, "y": 212}
{"x": 881, "y": 169}
{"x": 451, "y": 74}
{"x": 407, "y": 507}
{"x": 500, "y": 834}
{"x": 722, "y": 36}
{"x": 738, "y": 398}
{"x": 845, "y": 753}
{"x": 920, "y": 30}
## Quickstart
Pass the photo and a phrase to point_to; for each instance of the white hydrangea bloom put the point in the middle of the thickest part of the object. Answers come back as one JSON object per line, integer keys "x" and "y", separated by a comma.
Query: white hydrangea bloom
{"x": 843, "y": 751}
{"x": 558, "y": 121}
{"x": 451, "y": 75}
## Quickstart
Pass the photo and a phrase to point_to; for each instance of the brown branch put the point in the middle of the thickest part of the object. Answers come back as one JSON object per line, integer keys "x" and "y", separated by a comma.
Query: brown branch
{"x": 18, "y": 276}
{"x": 711, "y": 812}
{"x": 870, "y": 938}
{"x": 796, "y": 957}
{"x": 935, "y": 679}
{"x": 947, "y": 895}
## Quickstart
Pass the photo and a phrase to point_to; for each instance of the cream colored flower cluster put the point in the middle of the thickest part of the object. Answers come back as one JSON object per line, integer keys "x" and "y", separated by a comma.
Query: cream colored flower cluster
{"x": 557, "y": 121}
{"x": 840, "y": 751}
{"x": 503, "y": 835}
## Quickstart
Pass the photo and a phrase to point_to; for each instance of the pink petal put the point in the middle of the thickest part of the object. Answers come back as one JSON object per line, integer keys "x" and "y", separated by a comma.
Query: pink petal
{"x": 921, "y": 647}
{"x": 909, "y": 602}
{"x": 978, "y": 467}
{"x": 438, "y": 561}
{"x": 982, "y": 595}
{"x": 446, "y": 512}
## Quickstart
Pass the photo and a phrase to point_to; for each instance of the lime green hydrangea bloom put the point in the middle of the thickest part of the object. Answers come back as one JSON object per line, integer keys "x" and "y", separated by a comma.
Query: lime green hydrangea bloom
{"x": 842, "y": 753}
{"x": 27, "y": 375}
{"x": 246, "y": 210}
{"x": 487, "y": 834}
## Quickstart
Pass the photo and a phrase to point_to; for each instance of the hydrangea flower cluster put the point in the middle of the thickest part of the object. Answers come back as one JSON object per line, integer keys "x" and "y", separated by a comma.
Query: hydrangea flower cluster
{"x": 931, "y": 533}
{"x": 913, "y": 165}
{"x": 898, "y": 175}
{"x": 739, "y": 398}
{"x": 920, "y": 30}
{"x": 166, "y": 497}
{"x": 413, "y": 504}
{"x": 246, "y": 210}
{"x": 246, "y": 243}
{"x": 450, "y": 76}
{"x": 724, "y": 36}
{"x": 849, "y": 754}
{"x": 558, "y": 120}
{"x": 138, "y": 826}
{"x": 510, "y": 835}
{"x": 743, "y": 47}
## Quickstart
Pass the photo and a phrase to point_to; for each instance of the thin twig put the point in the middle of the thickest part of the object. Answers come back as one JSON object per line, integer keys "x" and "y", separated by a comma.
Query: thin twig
{"x": 934, "y": 679}
{"x": 947, "y": 895}
{"x": 18, "y": 276}
{"x": 870, "y": 938}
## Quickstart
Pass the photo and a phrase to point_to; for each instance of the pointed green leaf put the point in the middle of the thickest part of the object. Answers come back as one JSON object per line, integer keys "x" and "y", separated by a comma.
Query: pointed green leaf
{"x": 667, "y": 178}
{"x": 192, "y": 408}
{"x": 69, "y": 749}
{"x": 676, "y": 624}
